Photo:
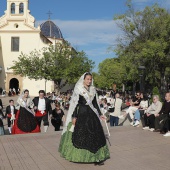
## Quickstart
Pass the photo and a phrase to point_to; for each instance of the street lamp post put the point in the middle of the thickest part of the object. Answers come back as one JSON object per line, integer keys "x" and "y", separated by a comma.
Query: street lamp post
{"x": 141, "y": 74}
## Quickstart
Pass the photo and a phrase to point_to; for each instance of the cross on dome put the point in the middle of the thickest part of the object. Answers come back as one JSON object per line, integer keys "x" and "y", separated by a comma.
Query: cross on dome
{"x": 49, "y": 14}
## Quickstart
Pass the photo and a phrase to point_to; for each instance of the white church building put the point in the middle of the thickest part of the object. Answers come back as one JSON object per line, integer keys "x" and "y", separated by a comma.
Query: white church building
{"x": 19, "y": 34}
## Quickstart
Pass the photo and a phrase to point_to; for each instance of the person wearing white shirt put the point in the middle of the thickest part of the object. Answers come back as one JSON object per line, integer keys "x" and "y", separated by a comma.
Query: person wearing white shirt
{"x": 10, "y": 114}
{"x": 42, "y": 108}
{"x": 141, "y": 110}
{"x": 114, "y": 116}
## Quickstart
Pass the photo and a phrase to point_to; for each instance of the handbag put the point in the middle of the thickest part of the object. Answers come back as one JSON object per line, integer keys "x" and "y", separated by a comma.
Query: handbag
{"x": 112, "y": 109}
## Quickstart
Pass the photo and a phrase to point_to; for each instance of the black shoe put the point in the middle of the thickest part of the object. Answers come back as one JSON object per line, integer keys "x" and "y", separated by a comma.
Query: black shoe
{"x": 99, "y": 163}
{"x": 162, "y": 132}
{"x": 157, "y": 130}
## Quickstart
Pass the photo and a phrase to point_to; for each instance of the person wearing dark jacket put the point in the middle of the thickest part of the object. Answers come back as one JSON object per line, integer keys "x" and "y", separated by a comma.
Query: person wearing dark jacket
{"x": 42, "y": 108}
{"x": 10, "y": 114}
{"x": 57, "y": 116}
{"x": 162, "y": 123}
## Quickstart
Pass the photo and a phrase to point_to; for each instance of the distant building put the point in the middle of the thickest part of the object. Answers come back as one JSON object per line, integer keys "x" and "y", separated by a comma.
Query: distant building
{"x": 19, "y": 34}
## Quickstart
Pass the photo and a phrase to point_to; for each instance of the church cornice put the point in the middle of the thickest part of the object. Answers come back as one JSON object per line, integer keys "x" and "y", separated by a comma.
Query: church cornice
{"x": 20, "y": 31}
{"x": 19, "y": 20}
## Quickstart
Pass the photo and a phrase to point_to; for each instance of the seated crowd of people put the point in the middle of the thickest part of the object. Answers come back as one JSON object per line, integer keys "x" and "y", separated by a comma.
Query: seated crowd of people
{"x": 154, "y": 116}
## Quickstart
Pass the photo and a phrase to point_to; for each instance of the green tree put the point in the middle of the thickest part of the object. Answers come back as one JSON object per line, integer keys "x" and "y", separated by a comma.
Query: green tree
{"x": 56, "y": 63}
{"x": 155, "y": 91}
{"x": 111, "y": 71}
{"x": 145, "y": 41}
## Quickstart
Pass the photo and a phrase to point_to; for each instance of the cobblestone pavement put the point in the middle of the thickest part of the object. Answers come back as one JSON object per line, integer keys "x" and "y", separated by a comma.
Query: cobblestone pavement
{"x": 131, "y": 149}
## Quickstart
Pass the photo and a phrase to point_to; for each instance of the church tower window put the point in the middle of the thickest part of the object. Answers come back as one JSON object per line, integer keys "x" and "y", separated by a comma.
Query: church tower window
{"x": 14, "y": 43}
{"x": 21, "y": 8}
{"x": 13, "y": 8}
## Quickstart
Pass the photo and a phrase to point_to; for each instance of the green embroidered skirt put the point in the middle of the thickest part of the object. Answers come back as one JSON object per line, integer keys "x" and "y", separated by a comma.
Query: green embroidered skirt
{"x": 73, "y": 154}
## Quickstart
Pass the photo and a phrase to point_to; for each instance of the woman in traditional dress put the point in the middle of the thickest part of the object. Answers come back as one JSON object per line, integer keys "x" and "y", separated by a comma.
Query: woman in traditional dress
{"x": 57, "y": 116}
{"x": 25, "y": 121}
{"x": 83, "y": 139}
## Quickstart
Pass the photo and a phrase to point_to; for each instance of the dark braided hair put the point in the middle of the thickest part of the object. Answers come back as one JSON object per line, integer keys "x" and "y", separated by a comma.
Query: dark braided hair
{"x": 87, "y": 74}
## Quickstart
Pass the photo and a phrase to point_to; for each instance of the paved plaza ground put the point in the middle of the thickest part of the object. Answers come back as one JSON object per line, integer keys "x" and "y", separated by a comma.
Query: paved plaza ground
{"x": 131, "y": 149}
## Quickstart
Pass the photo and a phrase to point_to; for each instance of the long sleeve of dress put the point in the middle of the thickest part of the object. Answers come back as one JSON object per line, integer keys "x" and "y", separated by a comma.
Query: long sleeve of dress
{"x": 75, "y": 113}
{"x": 95, "y": 104}
{"x": 1, "y": 104}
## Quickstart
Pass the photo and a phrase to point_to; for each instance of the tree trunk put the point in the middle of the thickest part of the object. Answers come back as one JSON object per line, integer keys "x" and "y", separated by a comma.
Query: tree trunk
{"x": 57, "y": 86}
{"x": 163, "y": 83}
{"x": 134, "y": 88}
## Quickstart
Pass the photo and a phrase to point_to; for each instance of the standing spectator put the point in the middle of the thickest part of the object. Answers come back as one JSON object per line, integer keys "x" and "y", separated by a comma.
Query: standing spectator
{"x": 53, "y": 97}
{"x": 3, "y": 92}
{"x": 151, "y": 113}
{"x": 114, "y": 116}
{"x": 10, "y": 92}
{"x": 14, "y": 91}
{"x": 18, "y": 92}
{"x": 57, "y": 116}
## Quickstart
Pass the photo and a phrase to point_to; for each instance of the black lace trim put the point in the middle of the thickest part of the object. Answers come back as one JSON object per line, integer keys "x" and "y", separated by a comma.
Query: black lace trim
{"x": 26, "y": 120}
{"x": 88, "y": 133}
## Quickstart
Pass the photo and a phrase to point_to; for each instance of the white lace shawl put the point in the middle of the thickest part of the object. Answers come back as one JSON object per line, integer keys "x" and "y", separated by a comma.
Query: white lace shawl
{"x": 88, "y": 95}
{"x": 25, "y": 104}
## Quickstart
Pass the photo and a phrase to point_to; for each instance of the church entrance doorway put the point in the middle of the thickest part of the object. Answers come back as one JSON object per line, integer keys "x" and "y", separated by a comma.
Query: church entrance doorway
{"x": 14, "y": 86}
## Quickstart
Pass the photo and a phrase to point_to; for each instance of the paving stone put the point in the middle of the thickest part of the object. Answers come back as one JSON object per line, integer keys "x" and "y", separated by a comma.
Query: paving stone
{"x": 131, "y": 149}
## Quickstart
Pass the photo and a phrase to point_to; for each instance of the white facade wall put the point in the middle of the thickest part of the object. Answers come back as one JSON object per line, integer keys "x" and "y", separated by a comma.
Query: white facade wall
{"x": 30, "y": 39}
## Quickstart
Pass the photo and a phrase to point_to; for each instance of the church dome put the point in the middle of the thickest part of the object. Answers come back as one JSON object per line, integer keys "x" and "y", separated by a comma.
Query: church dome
{"x": 50, "y": 30}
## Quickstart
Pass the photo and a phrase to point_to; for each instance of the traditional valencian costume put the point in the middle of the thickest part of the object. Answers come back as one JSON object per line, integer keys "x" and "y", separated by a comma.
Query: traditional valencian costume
{"x": 44, "y": 109}
{"x": 84, "y": 142}
{"x": 25, "y": 121}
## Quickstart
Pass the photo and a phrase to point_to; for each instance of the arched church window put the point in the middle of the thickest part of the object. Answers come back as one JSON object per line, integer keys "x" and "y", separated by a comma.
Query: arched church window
{"x": 21, "y": 8}
{"x": 13, "y": 8}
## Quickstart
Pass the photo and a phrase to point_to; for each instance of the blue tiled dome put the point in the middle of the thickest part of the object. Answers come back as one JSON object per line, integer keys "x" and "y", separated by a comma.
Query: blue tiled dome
{"x": 50, "y": 30}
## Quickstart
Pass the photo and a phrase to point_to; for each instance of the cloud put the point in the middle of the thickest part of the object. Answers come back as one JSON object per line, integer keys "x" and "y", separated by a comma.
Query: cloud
{"x": 86, "y": 32}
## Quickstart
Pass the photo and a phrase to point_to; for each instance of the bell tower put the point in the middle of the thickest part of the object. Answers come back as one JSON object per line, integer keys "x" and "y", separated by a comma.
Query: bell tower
{"x": 17, "y": 8}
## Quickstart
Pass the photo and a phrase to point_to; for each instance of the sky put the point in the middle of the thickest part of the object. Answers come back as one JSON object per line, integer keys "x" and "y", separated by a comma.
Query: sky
{"x": 87, "y": 24}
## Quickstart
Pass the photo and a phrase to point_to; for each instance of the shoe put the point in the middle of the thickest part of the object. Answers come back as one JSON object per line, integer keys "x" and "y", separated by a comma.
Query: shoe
{"x": 162, "y": 132}
{"x": 151, "y": 129}
{"x": 167, "y": 134}
{"x": 157, "y": 130}
{"x": 132, "y": 123}
{"x": 99, "y": 163}
{"x": 136, "y": 123}
{"x": 146, "y": 128}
